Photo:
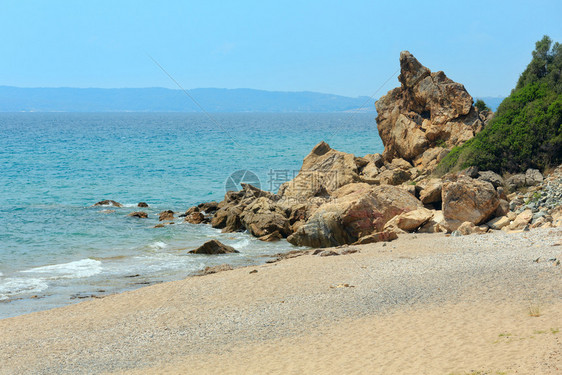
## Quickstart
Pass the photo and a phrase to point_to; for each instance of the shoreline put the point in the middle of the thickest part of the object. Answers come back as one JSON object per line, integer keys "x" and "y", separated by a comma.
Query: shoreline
{"x": 188, "y": 324}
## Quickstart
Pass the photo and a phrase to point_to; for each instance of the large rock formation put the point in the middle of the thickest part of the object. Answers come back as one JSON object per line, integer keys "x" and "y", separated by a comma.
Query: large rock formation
{"x": 355, "y": 211}
{"x": 427, "y": 114}
{"x": 466, "y": 199}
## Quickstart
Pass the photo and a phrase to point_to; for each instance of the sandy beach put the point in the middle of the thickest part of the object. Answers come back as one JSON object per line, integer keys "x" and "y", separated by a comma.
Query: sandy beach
{"x": 423, "y": 304}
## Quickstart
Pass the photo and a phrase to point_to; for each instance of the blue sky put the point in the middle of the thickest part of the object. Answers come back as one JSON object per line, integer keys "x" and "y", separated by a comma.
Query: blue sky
{"x": 341, "y": 47}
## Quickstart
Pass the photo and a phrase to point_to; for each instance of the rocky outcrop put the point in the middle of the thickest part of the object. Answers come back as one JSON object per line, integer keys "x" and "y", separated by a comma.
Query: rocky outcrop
{"x": 323, "y": 171}
{"x": 424, "y": 117}
{"x": 356, "y": 210}
{"x": 263, "y": 217}
{"x": 142, "y": 205}
{"x": 465, "y": 199}
{"x": 214, "y": 247}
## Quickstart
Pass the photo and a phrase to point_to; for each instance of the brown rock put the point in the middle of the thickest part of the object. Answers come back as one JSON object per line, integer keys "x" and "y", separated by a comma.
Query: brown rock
{"x": 167, "y": 215}
{"x": 323, "y": 171}
{"x": 469, "y": 200}
{"x": 356, "y": 211}
{"x": 410, "y": 221}
{"x": 467, "y": 228}
{"x": 195, "y": 218}
{"x": 503, "y": 208}
{"x": 208, "y": 207}
{"x": 263, "y": 216}
{"x": 498, "y": 222}
{"x": 521, "y": 220}
{"x": 142, "y": 204}
{"x": 431, "y": 191}
{"x": 108, "y": 202}
{"x": 394, "y": 177}
{"x": 428, "y": 110}
{"x": 271, "y": 237}
{"x": 384, "y": 236}
{"x": 214, "y": 247}
{"x": 139, "y": 214}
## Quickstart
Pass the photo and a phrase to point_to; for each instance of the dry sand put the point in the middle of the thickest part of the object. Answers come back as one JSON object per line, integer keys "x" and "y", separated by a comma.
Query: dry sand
{"x": 424, "y": 304}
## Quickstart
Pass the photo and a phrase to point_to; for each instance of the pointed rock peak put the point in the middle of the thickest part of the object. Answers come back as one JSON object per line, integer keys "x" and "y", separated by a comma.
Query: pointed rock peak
{"x": 411, "y": 70}
{"x": 321, "y": 148}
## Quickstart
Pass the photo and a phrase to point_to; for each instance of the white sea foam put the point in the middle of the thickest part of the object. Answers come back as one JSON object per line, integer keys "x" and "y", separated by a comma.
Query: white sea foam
{"x": 14, "y": 286}
{"x": 80, "y": 268}
{"x": 158, "y": 245}
{"x": 242, "y": 244}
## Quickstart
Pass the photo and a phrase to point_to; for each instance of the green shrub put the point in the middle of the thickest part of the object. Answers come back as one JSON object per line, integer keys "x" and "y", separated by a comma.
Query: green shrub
{"x": 526, "y": 131}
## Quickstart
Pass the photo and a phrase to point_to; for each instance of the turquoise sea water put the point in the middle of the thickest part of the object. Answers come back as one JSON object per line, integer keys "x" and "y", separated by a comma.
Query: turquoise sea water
{"x": 55, "y": 248}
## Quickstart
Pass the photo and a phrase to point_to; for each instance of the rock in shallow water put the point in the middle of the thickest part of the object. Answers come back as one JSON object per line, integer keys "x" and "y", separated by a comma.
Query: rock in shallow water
{"x": 108, "y": 202}
{"x": 214, "y": 247}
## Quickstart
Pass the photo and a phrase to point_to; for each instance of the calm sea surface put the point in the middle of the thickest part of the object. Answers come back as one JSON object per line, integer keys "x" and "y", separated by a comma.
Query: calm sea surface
{"x": 56, "y": 249}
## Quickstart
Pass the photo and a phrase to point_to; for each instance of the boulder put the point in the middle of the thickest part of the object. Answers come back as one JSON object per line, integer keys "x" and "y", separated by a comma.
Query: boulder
{"x": 467, "y": 228}
{"x": 195, "y": 218}
{"x": 498, "y": 223}
{"x": 428, "y": 111}
{"x": 228, "y": 214}
{"x": 434, "y": 225}
{"x": 213, "y": 247}
{"x": 271, "y": 237}
{"x": 108, "y": 202}
{"x": 167, "y": 215}
{"x": 399, "y": 163}
{"x": 503, "y": 208}
{"x": 410, "y": 221}
{"x": 431, "y": 191}
{"x": 393, "y": 177}
{"x": 263, "y": 216}
{"x": 533, "y": 177}
{"x": 139, "y": 214}
{"x": 323, "y": 171}
{"x": 516, "y": 181}
{"x": 356, "y": 210}
{"x": 521, "y": 220}
{"x": 470, "y": 200}
{"x": 142, "y": 204}
{"x": 491, "y": 177}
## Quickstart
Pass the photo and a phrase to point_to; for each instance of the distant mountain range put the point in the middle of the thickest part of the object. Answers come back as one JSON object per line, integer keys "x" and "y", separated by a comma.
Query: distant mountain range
{"x": 15, "y": 99}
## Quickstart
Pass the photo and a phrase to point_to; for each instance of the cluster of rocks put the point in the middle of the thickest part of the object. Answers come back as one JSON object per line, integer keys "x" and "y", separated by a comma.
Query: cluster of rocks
{"x": 338, "y": 198}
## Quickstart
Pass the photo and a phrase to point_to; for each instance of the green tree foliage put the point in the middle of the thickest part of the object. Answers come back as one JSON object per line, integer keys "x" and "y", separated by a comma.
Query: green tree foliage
{"x": 481, "y": 105}
{"x": 527, "y": 128}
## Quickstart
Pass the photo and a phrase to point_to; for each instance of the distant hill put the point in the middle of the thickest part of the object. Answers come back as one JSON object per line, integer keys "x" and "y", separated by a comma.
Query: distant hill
{"x": 15, "y": 99}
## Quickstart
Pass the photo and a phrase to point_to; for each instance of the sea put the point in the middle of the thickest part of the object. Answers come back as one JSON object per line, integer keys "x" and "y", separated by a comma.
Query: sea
{"x": 56, "y": 248}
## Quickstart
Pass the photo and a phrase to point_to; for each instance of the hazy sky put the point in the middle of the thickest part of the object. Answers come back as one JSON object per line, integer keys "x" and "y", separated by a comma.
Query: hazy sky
{"x": 341, "y": 47}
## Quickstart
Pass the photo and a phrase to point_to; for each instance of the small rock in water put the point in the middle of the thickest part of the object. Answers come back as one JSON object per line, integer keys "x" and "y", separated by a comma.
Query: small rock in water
{"x": 139, "y": 214}
{"x": 108, "y": 202}
{"x": 142, "y": 204}
{"x": 214, "y": 247}
{"x": 166, "y": 215}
